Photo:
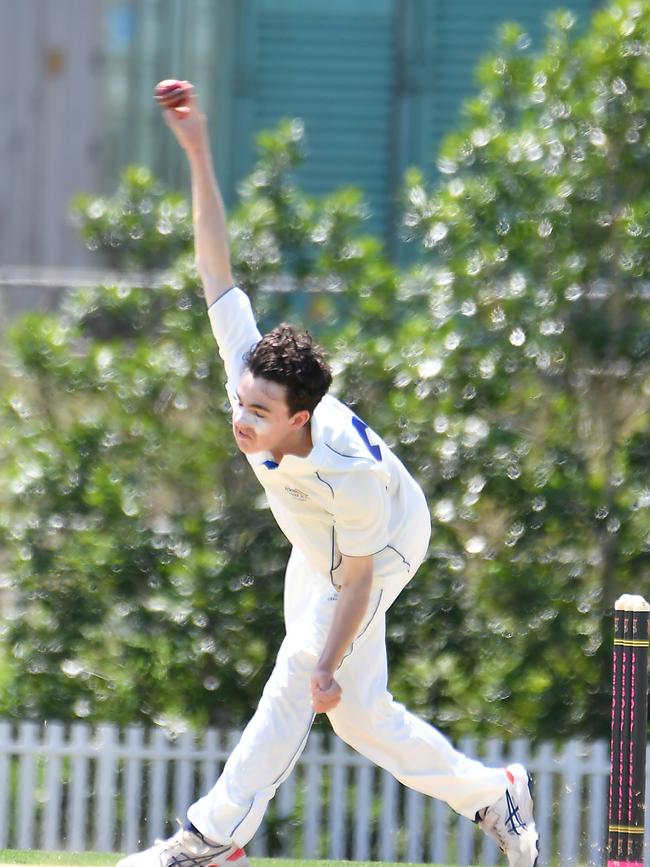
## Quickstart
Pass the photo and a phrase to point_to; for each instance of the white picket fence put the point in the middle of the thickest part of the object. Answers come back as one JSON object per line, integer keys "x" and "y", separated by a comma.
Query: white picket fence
{"x": 80, "y": 788}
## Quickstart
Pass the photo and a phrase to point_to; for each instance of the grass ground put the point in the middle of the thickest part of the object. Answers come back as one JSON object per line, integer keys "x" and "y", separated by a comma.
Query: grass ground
{"x": 101, "y": 859}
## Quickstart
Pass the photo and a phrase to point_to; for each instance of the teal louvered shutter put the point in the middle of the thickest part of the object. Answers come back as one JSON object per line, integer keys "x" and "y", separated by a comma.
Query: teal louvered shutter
{"x": 444, "y": 42}
{"x": 330, "y": 63}
{"x": 465, "y": 35}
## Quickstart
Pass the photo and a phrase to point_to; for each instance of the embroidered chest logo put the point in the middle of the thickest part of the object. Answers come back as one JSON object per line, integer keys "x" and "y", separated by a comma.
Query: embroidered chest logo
{"x": 298, "y": 495}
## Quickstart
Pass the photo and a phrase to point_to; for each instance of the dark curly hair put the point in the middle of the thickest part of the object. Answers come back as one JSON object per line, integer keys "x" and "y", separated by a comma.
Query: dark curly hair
{"x": 291, "y": 358}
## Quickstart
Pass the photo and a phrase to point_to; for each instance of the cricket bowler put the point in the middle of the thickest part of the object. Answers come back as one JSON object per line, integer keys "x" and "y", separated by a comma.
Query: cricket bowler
{"x": 359, "y": 526}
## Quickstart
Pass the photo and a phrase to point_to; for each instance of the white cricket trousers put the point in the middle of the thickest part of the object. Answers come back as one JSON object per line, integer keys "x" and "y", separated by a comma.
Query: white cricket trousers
{"x": 367, "y": 718}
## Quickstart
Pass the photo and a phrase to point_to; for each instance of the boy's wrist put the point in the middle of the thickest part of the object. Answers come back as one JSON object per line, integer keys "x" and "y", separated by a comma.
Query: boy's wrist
{"x": 199, "y": 150}
{"x": 325, "y": 666}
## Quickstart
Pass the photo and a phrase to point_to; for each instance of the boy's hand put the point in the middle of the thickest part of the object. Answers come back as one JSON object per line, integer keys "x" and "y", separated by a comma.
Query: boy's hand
{"x": 186, "y": 121}
{"x": 325, "y": 691}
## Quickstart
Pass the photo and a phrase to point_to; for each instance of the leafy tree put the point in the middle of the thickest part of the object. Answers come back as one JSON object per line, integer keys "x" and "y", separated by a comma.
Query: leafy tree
{"x": 528, "y": 387}
{"x": 142, "y": 226}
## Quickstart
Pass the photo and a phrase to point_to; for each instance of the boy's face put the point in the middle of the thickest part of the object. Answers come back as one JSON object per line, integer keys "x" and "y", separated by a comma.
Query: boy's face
{"x": 261, "y": 420}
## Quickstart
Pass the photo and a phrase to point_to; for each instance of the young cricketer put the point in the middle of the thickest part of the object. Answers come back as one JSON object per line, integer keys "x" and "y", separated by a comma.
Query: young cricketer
{"x": 359, "y": 526}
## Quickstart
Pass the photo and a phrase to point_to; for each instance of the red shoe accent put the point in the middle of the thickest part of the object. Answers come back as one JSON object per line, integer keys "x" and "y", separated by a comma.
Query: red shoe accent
{"x": 236, "y": 855}
{"x": 510, "y": 776}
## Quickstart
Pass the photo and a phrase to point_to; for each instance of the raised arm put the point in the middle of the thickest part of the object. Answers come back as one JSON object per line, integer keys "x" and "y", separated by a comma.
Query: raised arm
{"x": 188, "y": 123}
{"x": 232, "y": 320}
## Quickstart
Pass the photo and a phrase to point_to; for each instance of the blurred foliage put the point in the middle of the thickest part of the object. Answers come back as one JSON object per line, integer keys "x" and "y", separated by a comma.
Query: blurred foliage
{"x": 142, "y": 226}
{"x": 509, "y": 368}
{"x": 537, "y": 360}
{"x": 132, "y": 567}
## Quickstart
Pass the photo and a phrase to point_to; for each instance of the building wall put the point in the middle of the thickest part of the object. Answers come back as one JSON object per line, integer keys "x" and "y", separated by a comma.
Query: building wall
{"x": 50, "y": 148}
{"x": 377, "y": 83}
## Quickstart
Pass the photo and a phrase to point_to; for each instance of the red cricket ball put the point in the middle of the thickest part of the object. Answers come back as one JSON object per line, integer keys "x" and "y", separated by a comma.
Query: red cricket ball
{"x": 171, "y": 93}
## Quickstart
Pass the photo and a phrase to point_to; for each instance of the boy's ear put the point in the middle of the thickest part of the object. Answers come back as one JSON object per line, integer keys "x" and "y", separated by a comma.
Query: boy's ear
{"x": 300, "y": 418}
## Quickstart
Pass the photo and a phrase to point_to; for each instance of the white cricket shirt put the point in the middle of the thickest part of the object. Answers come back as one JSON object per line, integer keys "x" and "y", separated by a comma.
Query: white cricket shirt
{"x": 351, "y": 495}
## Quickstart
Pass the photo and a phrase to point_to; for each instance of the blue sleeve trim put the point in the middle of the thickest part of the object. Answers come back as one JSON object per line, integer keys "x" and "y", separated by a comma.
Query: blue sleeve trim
{"x": 362, "y": 429}
{"x": 223, "y": 294}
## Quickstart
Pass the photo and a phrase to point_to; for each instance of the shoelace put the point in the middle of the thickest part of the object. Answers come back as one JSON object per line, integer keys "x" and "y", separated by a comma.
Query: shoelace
{"x": 180, "y": 839}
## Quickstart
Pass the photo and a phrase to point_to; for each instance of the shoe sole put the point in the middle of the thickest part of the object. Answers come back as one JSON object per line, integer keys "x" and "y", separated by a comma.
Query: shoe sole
{"x": 531, "y": 789}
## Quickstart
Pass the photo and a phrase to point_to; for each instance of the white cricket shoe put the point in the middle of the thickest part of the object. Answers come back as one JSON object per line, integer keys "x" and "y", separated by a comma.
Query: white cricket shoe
{"x": 510, "y": 820}
{"x": 187, "y": 848}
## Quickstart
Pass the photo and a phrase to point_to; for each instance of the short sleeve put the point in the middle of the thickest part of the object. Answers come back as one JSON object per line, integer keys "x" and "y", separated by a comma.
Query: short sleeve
{"x": 361, "y": 514}
{"x": 235, "y": 330}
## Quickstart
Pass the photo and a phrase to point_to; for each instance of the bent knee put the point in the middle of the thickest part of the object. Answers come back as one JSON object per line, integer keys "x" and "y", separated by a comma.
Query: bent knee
{"x": 343, "y": 726}
{"x": 349, "y": 719}
{"x": 352, "y": 719}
